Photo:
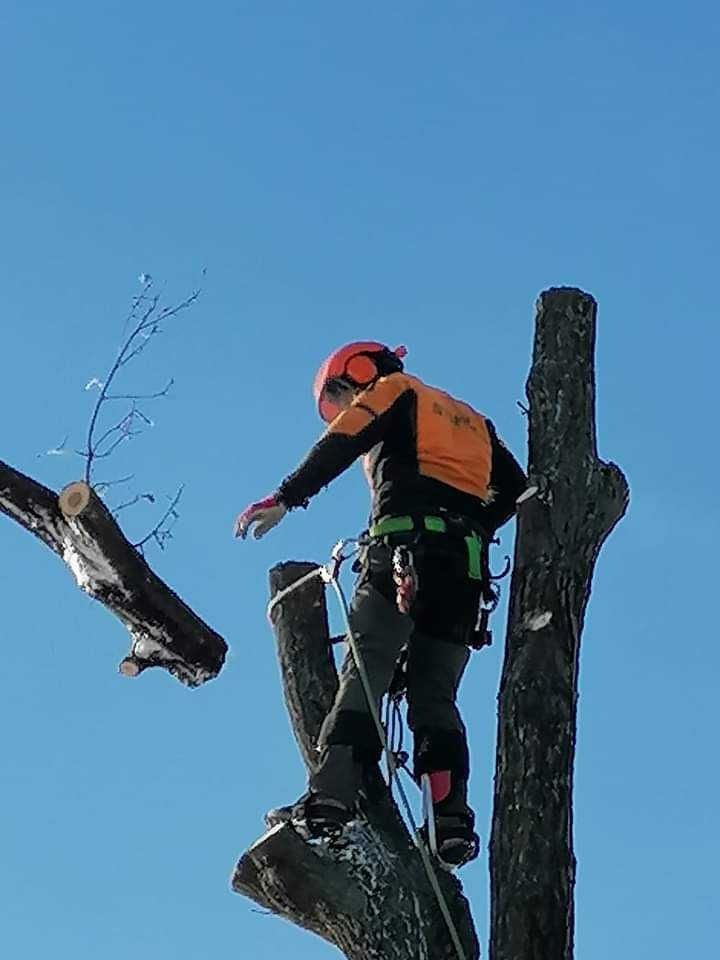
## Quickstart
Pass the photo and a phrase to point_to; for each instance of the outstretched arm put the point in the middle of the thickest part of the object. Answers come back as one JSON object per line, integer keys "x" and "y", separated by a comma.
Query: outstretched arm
{"x": 354, "y": 432}
{"x": 348, "y": 437}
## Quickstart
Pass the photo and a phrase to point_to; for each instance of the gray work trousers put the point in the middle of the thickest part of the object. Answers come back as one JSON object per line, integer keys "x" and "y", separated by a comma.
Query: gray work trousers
{"x": 434, "y": 670}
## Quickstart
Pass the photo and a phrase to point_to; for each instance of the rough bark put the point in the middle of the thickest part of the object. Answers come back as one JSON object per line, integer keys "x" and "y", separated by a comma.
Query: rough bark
{"x": 367, "y": 894}
{"x": 302, "y": 632}
{"x": 78, "y": 527}
{"x": 560, "y": 532}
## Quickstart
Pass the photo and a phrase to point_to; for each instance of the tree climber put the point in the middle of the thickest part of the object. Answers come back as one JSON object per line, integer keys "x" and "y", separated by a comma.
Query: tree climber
{"x": 442, "y": 483}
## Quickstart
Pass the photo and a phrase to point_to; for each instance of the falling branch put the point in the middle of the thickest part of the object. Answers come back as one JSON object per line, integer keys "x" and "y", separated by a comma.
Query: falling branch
{"x": 80, "y": 527}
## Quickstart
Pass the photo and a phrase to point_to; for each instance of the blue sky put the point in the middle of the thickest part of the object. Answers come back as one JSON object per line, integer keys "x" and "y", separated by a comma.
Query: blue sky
{"x": 413, "y": 172}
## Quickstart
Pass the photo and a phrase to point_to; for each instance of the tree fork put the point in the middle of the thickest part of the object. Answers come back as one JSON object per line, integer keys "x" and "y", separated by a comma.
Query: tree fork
{"x": 577, "y": 502}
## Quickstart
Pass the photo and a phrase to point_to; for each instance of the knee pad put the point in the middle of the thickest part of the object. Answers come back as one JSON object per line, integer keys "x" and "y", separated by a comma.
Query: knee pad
{"x": 441, "y": 750}
{"x": 356, "y": 729}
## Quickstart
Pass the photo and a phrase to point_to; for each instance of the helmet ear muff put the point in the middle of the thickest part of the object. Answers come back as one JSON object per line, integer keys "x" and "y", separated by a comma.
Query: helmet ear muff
{"x": 361, "y": 370}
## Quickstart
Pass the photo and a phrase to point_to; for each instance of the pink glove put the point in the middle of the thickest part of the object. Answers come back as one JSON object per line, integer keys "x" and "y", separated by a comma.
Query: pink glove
{"x": 265, "y": 513}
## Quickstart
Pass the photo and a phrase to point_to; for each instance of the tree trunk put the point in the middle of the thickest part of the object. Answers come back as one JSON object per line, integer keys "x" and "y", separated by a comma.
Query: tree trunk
{"x": 79, "y": 528}
{"x": 368, "y": 893}
{"x": 560, "y": 532}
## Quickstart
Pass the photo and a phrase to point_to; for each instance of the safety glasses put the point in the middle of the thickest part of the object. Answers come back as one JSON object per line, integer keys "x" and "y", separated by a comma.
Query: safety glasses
{"x": 328, "y": 403}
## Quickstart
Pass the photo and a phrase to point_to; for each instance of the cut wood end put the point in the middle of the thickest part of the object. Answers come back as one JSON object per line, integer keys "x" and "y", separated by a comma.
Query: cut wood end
{"x": 74, "y": 498}
{"x": 527, "y": 494}
{"x": 575, "y": 292}
{"x": 129, "y": 667}
{"x": 537, "y": 621}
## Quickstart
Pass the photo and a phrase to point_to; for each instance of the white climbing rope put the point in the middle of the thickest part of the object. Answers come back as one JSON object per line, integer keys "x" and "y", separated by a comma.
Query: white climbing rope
{"x": 281, "y": 594}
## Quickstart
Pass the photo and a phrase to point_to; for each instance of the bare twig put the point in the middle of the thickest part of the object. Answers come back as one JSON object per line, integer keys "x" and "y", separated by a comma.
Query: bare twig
{"x": 123, "y": 427}
{"x": 145, "y": 321}
{"x": 105, "y": 485}
{"x": 161, "y": 532}
{"x": 58, "y": 451}
{"x": 131, "y": 503}
{"x": 142, "y": 396}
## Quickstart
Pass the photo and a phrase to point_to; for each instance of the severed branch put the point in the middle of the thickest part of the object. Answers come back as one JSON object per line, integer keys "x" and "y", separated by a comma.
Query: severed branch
{"x": 577, "y": 501}
{"x": 84, "y": 532}
{"x": 368, "y": 893}
{"x": 78, "y": 526}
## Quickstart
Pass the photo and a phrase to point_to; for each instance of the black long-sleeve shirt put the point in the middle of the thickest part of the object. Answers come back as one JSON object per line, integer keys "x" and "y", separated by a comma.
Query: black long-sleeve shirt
{"x": 423, "y": 451}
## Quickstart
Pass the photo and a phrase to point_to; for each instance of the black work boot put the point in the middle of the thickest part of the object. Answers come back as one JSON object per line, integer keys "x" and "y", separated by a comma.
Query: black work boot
{"x": 457, "y": 842}
{"x": 449, "y": 828}
{"x": 316, "y": 814}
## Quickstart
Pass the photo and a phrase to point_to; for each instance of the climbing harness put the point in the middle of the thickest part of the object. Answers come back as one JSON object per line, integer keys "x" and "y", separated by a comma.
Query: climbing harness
{"x": 433, "y": 524}
{"x": 329, "y": 574}
{"x": 478, "y": 566}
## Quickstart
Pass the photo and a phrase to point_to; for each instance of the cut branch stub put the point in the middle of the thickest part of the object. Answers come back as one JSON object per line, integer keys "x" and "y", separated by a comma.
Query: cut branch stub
{"x": 131, "y": 667}
{"x": 74, "y": 498}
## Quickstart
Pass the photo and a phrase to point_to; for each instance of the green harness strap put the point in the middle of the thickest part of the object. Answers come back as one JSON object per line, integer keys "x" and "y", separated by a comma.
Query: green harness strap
{"x": 475, "y": 566}
{"x": 433, "y": 525}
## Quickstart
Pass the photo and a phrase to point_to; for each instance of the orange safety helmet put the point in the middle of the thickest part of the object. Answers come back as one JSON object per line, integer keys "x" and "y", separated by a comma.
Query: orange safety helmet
{"x": 356, "y": 364}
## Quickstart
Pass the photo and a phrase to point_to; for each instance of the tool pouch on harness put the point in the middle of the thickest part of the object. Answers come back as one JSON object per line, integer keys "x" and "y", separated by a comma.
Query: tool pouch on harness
{"x": 481, "y": 635}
